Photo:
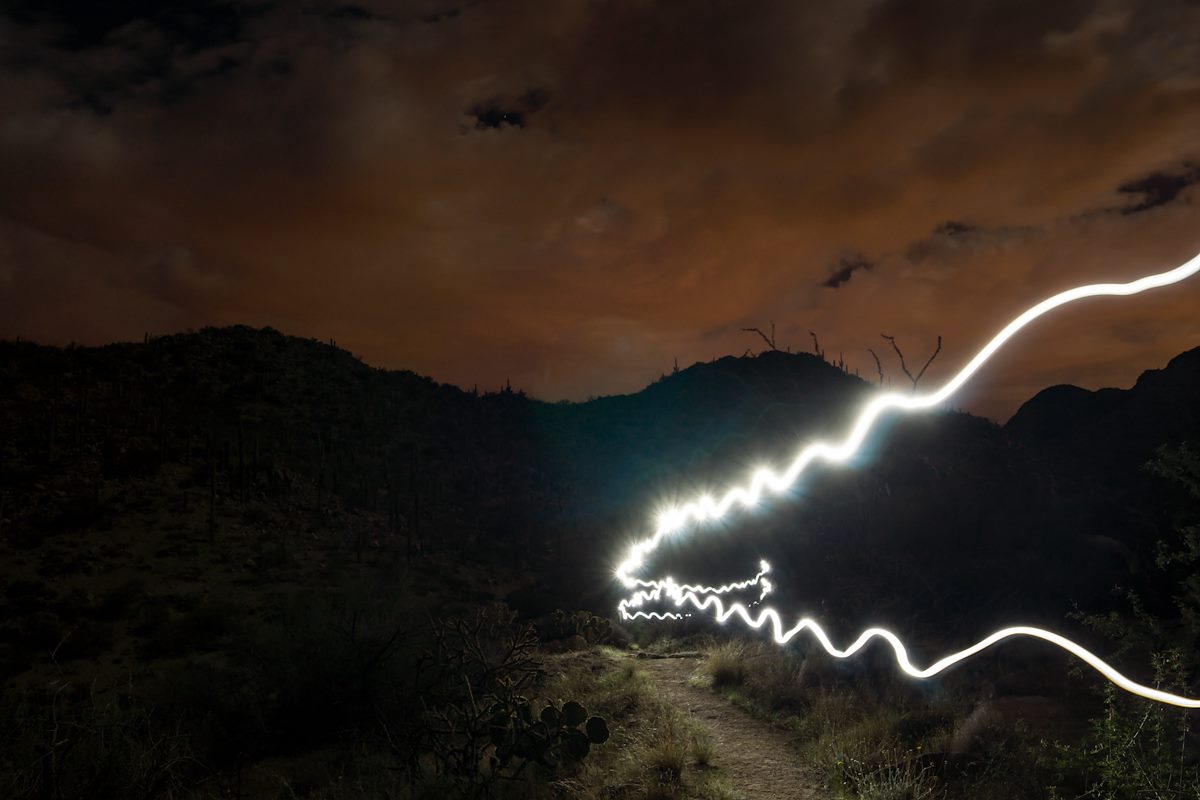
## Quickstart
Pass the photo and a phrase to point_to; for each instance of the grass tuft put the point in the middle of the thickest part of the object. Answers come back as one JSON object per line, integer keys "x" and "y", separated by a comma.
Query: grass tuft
{"x": 726, "y": 663}
{"x": 655, "y": 750}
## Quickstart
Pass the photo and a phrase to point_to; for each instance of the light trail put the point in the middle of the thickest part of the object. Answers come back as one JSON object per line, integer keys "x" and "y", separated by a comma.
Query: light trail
{"x": 705, "y": 509}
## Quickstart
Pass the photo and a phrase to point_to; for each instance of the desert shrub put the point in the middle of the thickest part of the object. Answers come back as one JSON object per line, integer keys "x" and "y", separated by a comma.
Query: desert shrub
{"x": 27, "y": 597}
{"x": 890, "y": 775}
{"x": 313, "y": 671}
{"x": 88, "y": 639}
{"x": 256, "y": 514}
{"x": 13, "y": 660}
{"x": 726, "y": 664}
{"x": 118, "y": 600}
{"x": 702, "y": 747}
{"x": 89, "y": 747}
{"x": 668, "y": 757}
{"x": 136, "y": 460}
{"x": 1138, "y": 748}
{"x": 777, "y": 678}
{"x": 36, "y": 634}
{"x": 870, "y": 743}
{"x": 592, "y": 627}
{"x": 220, "y": 707}
{"x": 208, "y": 623}
{"x": 330, "y": 666}
{"x": 81, "y": 511}
{"x": 58, "y": 563}
{"x": 478, "y": 725}
{"x": 478, "y": 669}
{"x": 152, "y": 617}
{"x": 205, "y": 628}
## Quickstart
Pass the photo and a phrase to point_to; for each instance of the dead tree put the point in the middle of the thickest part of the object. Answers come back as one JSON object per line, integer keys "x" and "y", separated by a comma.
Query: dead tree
{"x": 878, "y": 366}
{"x": 904, "y": 366}
{"x": 817, "y": 346}
{"x": 770, "y": 340}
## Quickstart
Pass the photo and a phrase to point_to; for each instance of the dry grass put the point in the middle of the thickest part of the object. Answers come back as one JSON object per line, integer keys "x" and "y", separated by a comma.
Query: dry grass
{"x": 703, "y": 750}
{"x": 655, "y": 750}
{"x": 726, "y": 664}
{"x": 869, "y": 743}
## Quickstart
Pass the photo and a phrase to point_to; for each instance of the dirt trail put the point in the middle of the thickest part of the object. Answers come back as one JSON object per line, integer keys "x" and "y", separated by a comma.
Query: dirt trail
{"x": 752, "y": 754}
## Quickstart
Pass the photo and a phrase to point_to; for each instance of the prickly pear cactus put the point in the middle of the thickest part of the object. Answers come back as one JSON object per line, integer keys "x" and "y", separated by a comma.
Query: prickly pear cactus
{"x": 553, "y": 737}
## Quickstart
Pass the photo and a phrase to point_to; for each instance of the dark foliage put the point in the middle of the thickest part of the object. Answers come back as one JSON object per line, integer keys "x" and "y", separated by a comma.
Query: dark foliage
{"x": 235, "y": 536}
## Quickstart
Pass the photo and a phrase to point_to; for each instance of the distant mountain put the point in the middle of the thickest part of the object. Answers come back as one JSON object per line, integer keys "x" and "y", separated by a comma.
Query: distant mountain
{"x": 1110, "y": 433}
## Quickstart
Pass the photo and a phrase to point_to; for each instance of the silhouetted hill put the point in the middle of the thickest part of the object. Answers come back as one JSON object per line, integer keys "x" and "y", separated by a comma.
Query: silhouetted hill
{"x": 697, "y": 424}
{"x": 171, "y": 510}
{"x": 315, "y": 462}
{"x": 1110, "y": 433}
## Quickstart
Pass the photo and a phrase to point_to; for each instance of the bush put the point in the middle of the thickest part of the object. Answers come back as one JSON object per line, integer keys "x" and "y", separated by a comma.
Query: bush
{"x": 891, "y": 775}
{"x": 1138, "y": 748}
{"x": 87, "y": 747}
{"x": 117, "y": 601}
{"x": 205, "y": 628}
{"x": 668, "y": 758}
{"x": 726, "y": 664}
{"x": 86, "y": 640}
{"x": 592, "y": 627}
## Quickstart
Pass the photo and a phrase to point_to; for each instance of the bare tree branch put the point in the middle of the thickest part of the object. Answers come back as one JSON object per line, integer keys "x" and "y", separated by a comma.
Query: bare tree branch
{"x": 816, "y": 345}
{"x": 937, "y": 350}
{"x": 878, "y": 366}
{"x": 770, "y": 340}
{"x": 904, "y": 366}
{"x": 896, "y": 347}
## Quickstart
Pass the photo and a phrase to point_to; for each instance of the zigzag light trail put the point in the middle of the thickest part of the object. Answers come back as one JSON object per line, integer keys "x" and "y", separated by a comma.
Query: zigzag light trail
{"x": 704, "y": 509}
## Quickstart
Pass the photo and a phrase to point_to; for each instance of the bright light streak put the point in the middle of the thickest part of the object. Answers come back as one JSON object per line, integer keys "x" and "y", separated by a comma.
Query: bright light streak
{"x": 706, "y": 508}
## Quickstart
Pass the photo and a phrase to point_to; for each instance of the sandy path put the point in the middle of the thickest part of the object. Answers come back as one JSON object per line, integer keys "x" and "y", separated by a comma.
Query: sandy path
{"x": 752, "y": 754}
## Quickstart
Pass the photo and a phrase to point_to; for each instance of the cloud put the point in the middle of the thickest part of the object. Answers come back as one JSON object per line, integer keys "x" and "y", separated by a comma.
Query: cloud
{"x": 847, "y": 266}
{"x": 1159, "y": 188}
{"x": 571, "y": 195}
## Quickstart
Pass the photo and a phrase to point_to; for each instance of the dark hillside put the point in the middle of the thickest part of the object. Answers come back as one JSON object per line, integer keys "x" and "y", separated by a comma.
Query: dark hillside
{"x": 227, "y": 508}
{"x": 1111, "y": 432}
{"x": 552, "y": 489}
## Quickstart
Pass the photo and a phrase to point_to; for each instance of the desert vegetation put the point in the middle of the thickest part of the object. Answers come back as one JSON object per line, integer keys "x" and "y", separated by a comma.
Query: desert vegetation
{"x": 238, "y": 564}
{"x": 875, "y": 734}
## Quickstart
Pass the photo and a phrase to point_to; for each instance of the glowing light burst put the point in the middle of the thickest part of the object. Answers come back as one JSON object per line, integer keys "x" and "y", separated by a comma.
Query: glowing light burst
{"x": 706, "y": 509}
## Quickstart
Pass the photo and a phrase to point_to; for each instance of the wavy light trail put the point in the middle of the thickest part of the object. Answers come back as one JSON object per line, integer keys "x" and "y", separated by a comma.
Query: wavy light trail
{"x": 707, "y": 509}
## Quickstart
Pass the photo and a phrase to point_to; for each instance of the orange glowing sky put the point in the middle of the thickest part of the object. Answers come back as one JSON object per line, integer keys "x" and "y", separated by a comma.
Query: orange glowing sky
{"x": 572, "y": 195}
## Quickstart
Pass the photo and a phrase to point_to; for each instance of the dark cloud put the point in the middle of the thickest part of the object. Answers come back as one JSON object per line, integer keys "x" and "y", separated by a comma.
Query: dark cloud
{"x": 847, "y": 266}
{"x": 497, "y": 113}
{"x": 493, "y": 116}
{"x": 442, "y": 15}
{"x": 954, "y": 229}
{"x": 351, "y": 12}
{"x": 80, "y": 25}
{"x": 637, "y": 180}
{"x": 1159, "y": 188}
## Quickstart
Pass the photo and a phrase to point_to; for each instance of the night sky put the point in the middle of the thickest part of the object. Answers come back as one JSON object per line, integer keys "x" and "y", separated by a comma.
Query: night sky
{"x": 571, "y": 194}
